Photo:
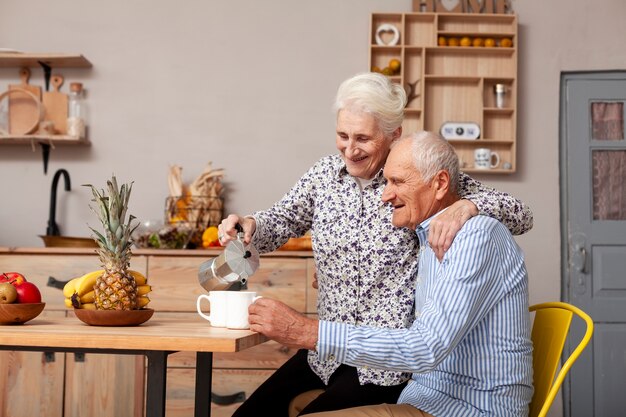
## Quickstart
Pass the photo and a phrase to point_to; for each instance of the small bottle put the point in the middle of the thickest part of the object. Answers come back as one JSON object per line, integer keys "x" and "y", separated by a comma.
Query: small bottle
{"x": 76, "y": 111}
{"x": 499, "y": 90}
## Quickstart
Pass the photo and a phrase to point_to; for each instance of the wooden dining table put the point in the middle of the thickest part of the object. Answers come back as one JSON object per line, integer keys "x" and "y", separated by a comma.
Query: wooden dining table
{"x": 156, "y": 339}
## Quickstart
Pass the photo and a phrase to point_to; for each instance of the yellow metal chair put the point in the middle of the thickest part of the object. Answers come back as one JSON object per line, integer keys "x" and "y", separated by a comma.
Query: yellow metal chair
{"x": 550, "y": 329}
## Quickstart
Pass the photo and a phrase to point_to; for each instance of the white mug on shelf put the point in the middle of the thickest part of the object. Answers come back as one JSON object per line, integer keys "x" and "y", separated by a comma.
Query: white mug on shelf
{"x": 219, "y": 308}
{"x": 485, "y": 158}
{"x": 237, "y": 310}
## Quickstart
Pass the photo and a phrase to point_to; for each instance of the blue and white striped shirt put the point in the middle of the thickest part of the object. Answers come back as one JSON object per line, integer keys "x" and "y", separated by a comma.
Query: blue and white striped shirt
{"x": 469, "y": 347}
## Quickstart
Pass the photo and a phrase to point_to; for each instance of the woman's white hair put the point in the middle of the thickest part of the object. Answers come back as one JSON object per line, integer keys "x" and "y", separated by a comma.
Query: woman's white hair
{"x": 375, "y": 94}
{"x": 431, "y": 154}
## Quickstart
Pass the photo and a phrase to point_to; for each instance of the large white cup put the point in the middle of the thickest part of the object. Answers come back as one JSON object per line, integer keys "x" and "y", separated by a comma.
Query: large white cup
{"x": 237, "y": 310}
{"x": 219, "y": 308}
{"x": 485, "y": 158}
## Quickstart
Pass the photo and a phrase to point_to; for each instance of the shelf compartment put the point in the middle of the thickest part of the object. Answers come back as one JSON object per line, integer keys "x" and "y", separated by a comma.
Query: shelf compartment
{"x": 54, "y": 60}
{"x": 499, "y": 125}
{"x": 380, "y": 56}
{"x": 395, "y": 19}
{"x": 412, "y": 69}
{"x": 489, "y": 100}
{"x": 478, "y": 62}
{"x": 465, "y": 151}
{"x": 420, "y": 30}
{"x": 477, "y": 23}
{"x": 458, "y": 100}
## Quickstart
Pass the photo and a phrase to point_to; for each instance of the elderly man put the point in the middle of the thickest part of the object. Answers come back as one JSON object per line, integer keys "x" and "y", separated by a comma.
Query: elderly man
{"x": 469, "y": 346}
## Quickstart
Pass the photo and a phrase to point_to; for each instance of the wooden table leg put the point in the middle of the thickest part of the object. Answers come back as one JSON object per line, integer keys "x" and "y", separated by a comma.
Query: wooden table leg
{"x": 204, "y": 370}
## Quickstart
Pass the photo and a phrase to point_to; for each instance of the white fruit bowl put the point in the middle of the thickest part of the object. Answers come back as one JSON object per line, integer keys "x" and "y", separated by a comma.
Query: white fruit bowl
{"x": 19, "y": 313}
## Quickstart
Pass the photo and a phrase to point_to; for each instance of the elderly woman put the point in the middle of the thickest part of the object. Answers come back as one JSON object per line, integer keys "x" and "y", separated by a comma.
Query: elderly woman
{"x": 366, "y": 268}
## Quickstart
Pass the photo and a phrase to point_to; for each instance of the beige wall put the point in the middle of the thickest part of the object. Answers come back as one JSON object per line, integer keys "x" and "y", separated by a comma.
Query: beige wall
{"x": 249, "y": 85}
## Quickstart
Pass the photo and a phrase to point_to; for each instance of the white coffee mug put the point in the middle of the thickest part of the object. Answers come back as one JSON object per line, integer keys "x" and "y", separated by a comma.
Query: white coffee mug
{"x": 237, "y": 310}
{"x": 485, "y": 158}
{"x": 219, "y": 308}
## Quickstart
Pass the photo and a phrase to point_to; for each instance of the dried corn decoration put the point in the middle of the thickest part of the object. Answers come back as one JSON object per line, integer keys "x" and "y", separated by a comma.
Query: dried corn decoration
{"x": 199, "y": 205}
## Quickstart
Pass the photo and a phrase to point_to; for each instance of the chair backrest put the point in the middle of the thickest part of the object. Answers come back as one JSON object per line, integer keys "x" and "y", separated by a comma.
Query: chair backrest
{"x": 550, "y": 329}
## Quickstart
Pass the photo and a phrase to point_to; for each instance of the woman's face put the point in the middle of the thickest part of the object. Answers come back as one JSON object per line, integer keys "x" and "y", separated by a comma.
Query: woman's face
{"x": 361, "y": 143}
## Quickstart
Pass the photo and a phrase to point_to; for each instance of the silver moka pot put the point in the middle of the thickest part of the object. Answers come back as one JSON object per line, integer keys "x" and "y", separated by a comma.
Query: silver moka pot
{"x": 230, "y": 270}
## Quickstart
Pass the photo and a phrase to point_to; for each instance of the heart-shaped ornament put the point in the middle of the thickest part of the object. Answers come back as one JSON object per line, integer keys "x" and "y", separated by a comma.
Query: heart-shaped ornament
{"x": 451, "y": 5}
{"x": 387, "y": 35}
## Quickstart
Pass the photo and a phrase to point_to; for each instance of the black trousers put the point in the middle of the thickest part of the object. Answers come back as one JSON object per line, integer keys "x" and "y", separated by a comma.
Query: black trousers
{"x": 295, "y": 377}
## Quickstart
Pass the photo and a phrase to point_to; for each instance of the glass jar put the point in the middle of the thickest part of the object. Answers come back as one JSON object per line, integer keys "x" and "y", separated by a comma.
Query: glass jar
{"x": 76, "y": 111}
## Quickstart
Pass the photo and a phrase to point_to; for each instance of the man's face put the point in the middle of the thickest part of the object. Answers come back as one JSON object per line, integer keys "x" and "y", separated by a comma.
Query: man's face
{"x": 413, "y": 201}
{"x": 361, "y": 143}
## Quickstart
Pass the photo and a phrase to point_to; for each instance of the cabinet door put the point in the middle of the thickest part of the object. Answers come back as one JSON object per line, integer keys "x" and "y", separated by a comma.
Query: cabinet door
{"x": 180, "y": 389}
{"x": 102, "y": 385}
{"x": 31, "y": 383}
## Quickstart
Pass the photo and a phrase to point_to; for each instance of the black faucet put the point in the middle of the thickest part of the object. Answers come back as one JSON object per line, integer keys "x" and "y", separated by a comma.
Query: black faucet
{"x": 53, "y": 229}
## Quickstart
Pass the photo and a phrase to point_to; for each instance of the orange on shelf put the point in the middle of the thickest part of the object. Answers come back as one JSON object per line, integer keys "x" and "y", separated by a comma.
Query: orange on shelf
{"x": 477, "y": 42}
{"x": 506, "y": 42}
{"x": 442, "y": 41}
{"x": 490, "y": 43}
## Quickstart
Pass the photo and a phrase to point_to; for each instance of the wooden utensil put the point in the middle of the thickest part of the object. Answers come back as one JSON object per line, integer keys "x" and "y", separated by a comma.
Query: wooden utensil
{"x": 21, "y": 106}
{"x": 55, "y": 105}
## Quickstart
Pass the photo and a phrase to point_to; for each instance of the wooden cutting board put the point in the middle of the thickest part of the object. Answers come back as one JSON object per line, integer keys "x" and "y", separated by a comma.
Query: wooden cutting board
{"x": 55, "y": 105}
{"x": 22, "y": 108}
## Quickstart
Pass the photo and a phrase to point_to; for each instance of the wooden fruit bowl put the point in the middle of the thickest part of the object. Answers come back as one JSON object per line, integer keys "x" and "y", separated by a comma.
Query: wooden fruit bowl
{"x": 19, "y": 313}
{"x": 114, "y": 317}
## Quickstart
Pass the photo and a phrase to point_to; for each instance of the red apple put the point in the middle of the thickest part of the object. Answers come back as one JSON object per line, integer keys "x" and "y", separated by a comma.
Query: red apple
{"x": 27, "y": 292}
{"x": 14, "y": 278}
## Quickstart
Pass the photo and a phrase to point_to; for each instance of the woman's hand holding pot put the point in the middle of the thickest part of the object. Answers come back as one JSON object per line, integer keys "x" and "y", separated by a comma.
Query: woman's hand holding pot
{"x": 227, "y": 230}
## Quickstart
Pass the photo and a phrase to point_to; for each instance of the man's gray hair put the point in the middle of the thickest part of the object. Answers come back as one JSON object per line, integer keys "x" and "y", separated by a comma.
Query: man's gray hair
{"x": 375, "y": 94}
{"x": 431, "y": 154}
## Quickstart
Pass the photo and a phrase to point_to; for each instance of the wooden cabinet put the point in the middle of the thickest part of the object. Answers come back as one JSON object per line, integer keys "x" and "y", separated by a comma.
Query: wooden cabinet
{"x": 48, "y": 62}
{"x": 65, "y": 385}
{"x": 455, "y": 83}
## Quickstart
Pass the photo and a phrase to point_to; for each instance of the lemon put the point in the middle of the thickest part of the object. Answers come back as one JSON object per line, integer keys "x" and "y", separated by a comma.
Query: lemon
{"x": 466, "y": 41}
{"x": 386, "y": 71}
{"x": 478, "y": 42}
{"x": 375, "y": 68}
{"x": 442, "y": 41}
{"x": 209, "y": 236}
{"x": 490, "y": 43}
{"x": 506, "y": 42}
{"x": 453, "y": 42}
{"x": 394, "y": 65}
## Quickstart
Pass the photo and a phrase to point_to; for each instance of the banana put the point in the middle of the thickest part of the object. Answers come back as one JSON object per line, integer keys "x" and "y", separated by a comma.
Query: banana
{"x": 69, "y": 288}
{"x": 88, "y": 306}
{"x": 142, "y": 301}
{"x": 68, "y": 303}
{"x": 140, "y": 278}
{"x": 90, "y": 297}
{"x": 87, "y": 282}
{"x": 143, "y": 290}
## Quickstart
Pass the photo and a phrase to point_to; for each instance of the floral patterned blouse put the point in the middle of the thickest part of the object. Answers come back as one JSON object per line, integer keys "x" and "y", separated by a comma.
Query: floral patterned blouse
{"x": 366, "y": 267}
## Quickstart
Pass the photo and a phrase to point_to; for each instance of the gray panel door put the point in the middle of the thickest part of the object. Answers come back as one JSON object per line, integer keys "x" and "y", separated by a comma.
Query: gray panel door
{"x": 593, "y": 212}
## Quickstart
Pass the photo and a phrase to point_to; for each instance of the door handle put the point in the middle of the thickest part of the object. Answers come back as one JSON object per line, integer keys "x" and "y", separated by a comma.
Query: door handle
{"x": 579, "y": 258}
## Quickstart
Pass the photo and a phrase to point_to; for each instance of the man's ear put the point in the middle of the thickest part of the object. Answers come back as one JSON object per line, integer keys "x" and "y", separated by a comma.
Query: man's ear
{"x": 441, "y": 183}
{"x": 397, "y": 134}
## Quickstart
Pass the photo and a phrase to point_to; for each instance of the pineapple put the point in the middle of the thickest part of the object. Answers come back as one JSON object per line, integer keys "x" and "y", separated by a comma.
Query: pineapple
{"x": 116, "y": 288}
